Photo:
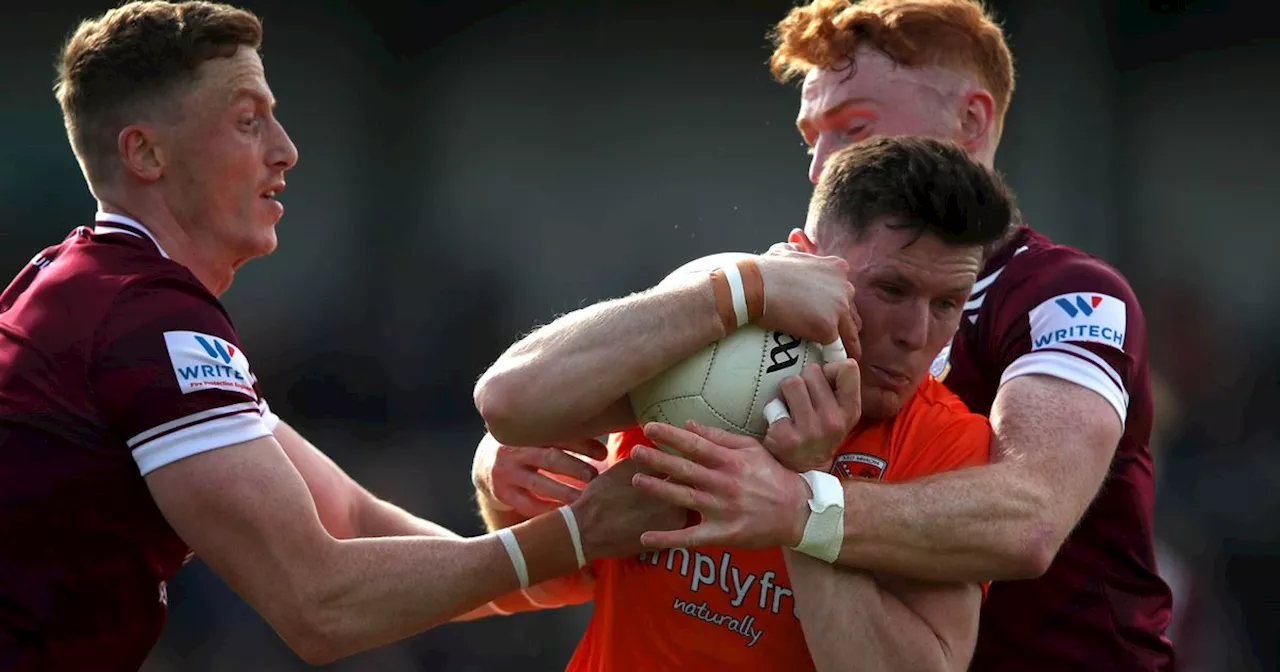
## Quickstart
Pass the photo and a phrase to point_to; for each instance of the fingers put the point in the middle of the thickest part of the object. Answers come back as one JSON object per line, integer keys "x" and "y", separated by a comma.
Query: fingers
{"x": 720, "y": 437}
{"x": 546, "y": 488}
{"x": 849, "y": 326}
{"x": 523, "y": 503}
{"x": 556, "y": 461}
{"x": 588, "y": 447}
{"x": 659, "y": 463}
{"x": 827, "y": 412}
{"x": 698, "y": 535}
{"x": 685, "y": 442}
{"x": 676, "y": 494}
{"x": 776, "y": 411}
{"x": 846, "y": 378}
{"x": 796, "y": 393}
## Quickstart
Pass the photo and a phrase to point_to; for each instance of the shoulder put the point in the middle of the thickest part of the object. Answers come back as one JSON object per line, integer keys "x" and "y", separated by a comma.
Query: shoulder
{"x": 934, "y": 408}
{"x": 1048, "y": 271}
{"x": 935, "y": 431}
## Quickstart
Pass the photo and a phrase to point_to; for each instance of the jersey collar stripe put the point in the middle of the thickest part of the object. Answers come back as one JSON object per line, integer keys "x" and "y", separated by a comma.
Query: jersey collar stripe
{"x": 981, "y": 285}
{"x": 129, "y": 225}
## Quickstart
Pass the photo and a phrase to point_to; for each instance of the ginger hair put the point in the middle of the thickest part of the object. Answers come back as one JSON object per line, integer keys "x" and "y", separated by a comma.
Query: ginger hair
{"x": 119, "y": 66}
{"x": 957, "y": 34}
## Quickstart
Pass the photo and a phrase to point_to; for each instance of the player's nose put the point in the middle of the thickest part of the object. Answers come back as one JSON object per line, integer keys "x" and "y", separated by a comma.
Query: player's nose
{"x": 283, "y": 153}
{"x": 911, "y": 328}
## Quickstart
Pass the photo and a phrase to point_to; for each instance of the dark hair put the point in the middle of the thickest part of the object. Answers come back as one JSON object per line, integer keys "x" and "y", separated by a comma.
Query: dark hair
{"x": 920, "y": 184}
{"x": 131, "y": 56}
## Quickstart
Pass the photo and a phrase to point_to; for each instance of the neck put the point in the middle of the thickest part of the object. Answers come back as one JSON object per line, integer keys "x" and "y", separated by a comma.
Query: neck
{"x": 175, "y": 240}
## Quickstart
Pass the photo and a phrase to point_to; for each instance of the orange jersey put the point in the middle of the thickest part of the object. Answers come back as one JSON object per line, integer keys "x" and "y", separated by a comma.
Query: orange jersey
{"x": 719, "y": 608}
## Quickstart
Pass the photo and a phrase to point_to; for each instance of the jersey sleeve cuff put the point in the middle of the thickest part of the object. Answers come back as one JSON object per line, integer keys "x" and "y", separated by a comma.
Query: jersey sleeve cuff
{"x": 197, "y": 433}
{"x": 1073, "y": 368}
{"x": 269, "y": 418}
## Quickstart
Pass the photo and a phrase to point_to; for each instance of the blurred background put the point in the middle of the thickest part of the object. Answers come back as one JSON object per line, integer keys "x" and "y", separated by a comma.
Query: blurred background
{"x": 472, "y": 168}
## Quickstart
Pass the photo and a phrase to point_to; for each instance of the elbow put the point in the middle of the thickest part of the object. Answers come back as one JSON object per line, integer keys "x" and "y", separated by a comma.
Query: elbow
{"x": 311, "y": 641}
{"x": 1036, "y": 546}
{"x": 313, "y": 627}
{"x": 497, "y": 397}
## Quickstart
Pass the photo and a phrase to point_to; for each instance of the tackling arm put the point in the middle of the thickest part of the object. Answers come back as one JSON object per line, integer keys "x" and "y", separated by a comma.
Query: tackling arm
{"x": 1052, "y": 446}
{"x": 345, "y": 508}
{"x": 567, "y": 381}
{"x": 898, "y": 624}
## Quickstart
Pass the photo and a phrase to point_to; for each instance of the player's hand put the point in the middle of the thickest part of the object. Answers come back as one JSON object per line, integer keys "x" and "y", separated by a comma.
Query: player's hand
{"x": 745, "y": 497}
{"x": 823, "y": 404}
{"x": 612, "y": 513}
{"x": 809, "y": 297}
{"x": 534, "y": 479}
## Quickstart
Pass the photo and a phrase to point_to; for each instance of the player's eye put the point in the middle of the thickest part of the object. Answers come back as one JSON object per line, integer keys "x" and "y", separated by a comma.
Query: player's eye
{"x": 945, "y": 305}
{"x": 889, "y": 290}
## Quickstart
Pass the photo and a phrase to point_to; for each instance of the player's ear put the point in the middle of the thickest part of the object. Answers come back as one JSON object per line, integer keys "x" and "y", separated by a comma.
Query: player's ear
{"x": 976, "y": 117}
{"x": 140, "y": 152}
{"x": 801, "y": 239}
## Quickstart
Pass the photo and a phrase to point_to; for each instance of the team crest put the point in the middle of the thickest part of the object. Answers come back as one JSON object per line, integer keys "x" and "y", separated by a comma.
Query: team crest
{"x": 941, "y": 364}
{"x": 859, "y": 465}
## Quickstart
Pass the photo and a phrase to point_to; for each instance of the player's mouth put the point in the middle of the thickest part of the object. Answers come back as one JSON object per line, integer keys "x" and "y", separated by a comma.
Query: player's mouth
{"x": 270, "y": 192}
{"x": 268, "y": 196}
{"x": 888, "y": 377}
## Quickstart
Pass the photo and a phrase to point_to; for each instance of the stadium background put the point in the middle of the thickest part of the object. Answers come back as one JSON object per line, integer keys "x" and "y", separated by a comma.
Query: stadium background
{"x": 471, "y": 168}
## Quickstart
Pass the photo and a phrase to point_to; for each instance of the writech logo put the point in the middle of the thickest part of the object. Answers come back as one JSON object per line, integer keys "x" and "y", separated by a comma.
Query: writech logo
{"x": 1081, "y": 305}
{"x": 217, "y": 349}
{"x": 202, "y": 361}
{"x": 1078, "y": 318}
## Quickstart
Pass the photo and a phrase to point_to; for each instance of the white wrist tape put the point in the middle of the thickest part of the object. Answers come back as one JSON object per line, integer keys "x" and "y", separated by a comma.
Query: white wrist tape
{"x": 572, "y": 522}
{"x": 737, "y": 292}
{"x": 824, "y": 531}
{"x": 517, "y": 556}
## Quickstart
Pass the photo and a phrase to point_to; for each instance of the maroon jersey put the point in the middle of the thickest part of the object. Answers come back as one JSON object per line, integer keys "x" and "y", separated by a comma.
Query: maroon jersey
{"x": 1042, "y": 308}
{"x": 114, "y": 361}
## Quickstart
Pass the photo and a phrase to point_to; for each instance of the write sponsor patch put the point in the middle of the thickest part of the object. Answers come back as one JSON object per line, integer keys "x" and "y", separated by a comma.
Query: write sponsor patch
{"x": 204, "y": 362}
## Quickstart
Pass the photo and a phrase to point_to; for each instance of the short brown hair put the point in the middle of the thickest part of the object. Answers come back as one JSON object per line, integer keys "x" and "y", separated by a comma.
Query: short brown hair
{"x": 133, "y": 55}
{"x": 959, "y": 34}
{"x": 919, "y": 184}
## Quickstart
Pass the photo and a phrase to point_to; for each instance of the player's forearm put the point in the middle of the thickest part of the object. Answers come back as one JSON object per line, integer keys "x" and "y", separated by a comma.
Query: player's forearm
{"x": 838, "y": 607}
{"x": 365, "y": 593}
{"x": 379, "y": 518}
{"x": 548, "y": 387}
{"x": 971, "y": 525}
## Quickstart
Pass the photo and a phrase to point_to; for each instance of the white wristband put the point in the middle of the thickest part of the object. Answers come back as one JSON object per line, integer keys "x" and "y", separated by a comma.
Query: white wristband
{"x": 572, "y": 522}
{"x": 824, "y": 531}
{"x": 517, "y": 556}
{"x": 737, "y": 292}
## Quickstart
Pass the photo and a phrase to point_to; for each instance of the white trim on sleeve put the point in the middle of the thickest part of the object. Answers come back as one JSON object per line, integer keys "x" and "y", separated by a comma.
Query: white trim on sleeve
{"x": 1087, "y": 371}
{"x": 270, "y": 419}
{"x": 197, "y": 433}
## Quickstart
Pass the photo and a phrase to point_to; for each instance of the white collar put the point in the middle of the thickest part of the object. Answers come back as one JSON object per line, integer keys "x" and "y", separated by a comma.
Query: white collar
{"x": 127, "y": 225}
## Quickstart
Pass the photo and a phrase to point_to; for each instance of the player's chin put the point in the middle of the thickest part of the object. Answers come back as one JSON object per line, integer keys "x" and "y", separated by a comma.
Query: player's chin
{"x": 879, "y": 403}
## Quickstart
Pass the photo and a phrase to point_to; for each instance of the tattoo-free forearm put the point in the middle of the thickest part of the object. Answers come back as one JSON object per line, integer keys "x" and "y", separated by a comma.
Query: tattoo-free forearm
{"x": 837, "y": 606}
{"x": 562, "y": 377}
{"x": 1053, "y": 443}
{"x": 968, "y": 525}
{"x": 379, "y": 518}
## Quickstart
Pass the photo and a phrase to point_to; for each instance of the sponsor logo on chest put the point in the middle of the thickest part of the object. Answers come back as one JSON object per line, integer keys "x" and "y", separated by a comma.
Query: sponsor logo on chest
{"x": 709, "y": 576}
